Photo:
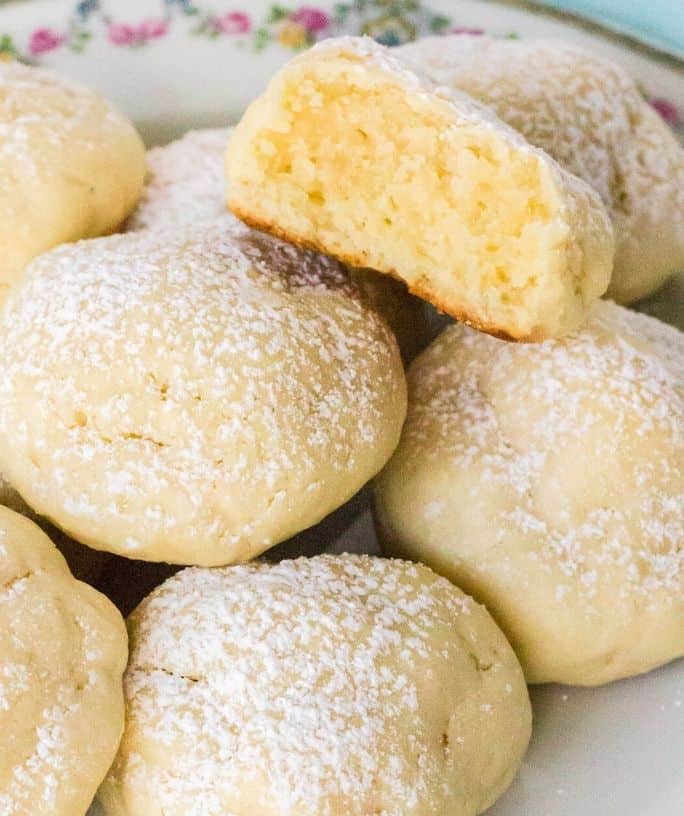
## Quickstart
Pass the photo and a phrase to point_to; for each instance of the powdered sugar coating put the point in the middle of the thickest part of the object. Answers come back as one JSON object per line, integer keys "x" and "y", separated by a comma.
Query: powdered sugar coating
{"x": 71, "y": 166}
{"x": 29, "y": 98}
{"x": 557, "y": 469}
{"x": 185, "y": 184}
{"x": 333, "y": 685}
{"x": 194, "y": 398}
{"x": 62, "y": 655}
{"x": 589, "y": 115}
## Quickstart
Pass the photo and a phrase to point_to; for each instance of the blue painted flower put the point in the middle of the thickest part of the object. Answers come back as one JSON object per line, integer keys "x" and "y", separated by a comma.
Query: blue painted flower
{"x": 87, "y": 7}
{"x": 186, "y": 6}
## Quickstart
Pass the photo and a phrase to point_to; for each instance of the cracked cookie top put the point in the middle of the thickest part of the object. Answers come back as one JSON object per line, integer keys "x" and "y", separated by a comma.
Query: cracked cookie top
{"x": 193, "y": 398}
{"x": 331, "y": 686}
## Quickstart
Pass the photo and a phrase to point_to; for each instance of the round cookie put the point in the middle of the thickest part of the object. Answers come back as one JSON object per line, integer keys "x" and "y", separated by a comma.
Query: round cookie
{"x": 71, "y": 165}
{"x": 588, "y": 114}
{"x": 63, "y": 650}
{"x": 186, "y": 186}
{"x": 351, "y": 153}
{"x": 331, "y": 686}
{"x": 194, "y": 398}
{"x": 548, "y": 482}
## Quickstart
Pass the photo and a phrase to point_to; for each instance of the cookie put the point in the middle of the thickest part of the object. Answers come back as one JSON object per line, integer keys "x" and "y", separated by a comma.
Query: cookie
{"x": 63, "y": 650}
{"x": 186, "y": 186}
{"x": 350, "y": 152}
{"x": 193, "y": 398}
{"x": 71, "y": 165}
{"x": 588, "y": 114}
{"x": 337, "y": 685}
{"x": 547, "y": 481}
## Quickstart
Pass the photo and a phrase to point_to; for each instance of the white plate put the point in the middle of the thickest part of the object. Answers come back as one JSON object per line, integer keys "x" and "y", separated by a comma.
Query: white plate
{"x": 614, "y": 751}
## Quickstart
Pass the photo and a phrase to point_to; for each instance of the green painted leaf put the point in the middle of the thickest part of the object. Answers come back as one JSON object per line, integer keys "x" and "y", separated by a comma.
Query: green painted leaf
{"x": 341, "y": 12}
{"x": 276, "y": 14}
{"x": 7, "y": 45}
{"x": 261, "y": 39}
{"x": 438, "y": 23}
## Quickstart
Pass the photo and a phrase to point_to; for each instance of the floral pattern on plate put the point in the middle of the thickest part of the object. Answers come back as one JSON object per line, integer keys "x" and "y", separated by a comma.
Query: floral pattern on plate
{"x": 391, "y": 22}
{"x": 293, "y": 27}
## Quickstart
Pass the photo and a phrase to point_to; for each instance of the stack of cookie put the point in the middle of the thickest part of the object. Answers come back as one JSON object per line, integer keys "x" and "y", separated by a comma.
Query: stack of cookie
{"x": 209, "y": 383}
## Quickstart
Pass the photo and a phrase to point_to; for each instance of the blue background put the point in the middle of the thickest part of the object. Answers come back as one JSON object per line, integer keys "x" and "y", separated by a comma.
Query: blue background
{"x": 657, "y": 22}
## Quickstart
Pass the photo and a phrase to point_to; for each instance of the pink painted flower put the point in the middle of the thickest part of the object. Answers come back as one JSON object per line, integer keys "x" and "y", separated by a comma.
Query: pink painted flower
{"x": 314, "y": 20}
{"x": 44, "y": 40}
{"x": 235, "y": 22}
{"x": 152, "y": 29}
{"x": 122, "y": 34}
{"x": 667, "y": 110}
{"x": 473, "y": 32}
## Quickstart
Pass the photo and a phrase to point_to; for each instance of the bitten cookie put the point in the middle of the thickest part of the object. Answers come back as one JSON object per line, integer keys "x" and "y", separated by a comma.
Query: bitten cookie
{"x": 350, "y": 152}
{"x": 331, "y": 686}
{"x": 193, "y": 398}
{"x": 186, "y": 186}
{"x": 591, "y": 117}
{"x": 71, "y": 166}
{"x": 548, "y": 482}
{"x": 63, "y": 650}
